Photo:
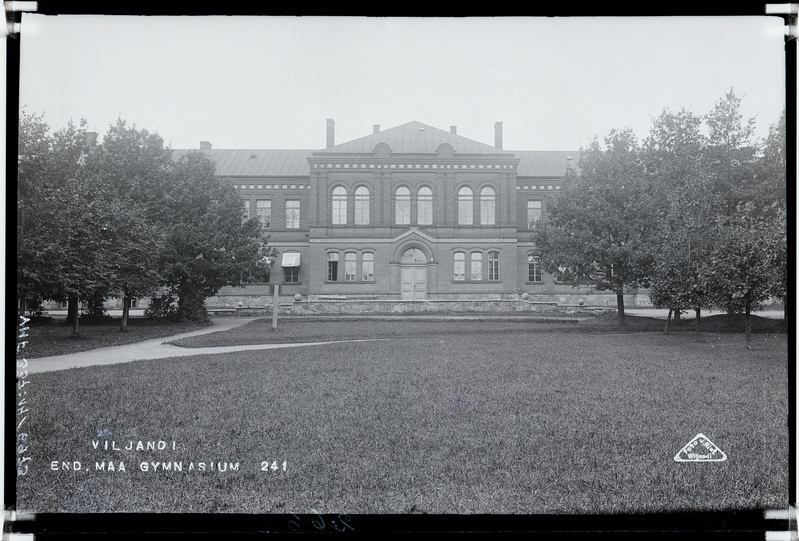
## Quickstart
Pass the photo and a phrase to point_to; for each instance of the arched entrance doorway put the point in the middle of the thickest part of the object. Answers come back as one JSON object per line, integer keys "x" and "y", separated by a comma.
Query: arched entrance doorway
{"x": 413, "y": 275}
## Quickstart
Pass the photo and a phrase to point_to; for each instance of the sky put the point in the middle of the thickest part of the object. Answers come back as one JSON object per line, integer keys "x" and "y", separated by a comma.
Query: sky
{"x": 271, "y": 82}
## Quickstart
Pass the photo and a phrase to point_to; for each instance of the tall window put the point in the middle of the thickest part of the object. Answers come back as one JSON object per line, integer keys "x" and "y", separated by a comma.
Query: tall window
{"x": 403, "y": 206}
{"x": 465, "y": 206}
{"x": 332, "y": 267}
{"x": 424, "y": 206}
{"x": 362, "y": 206}
{"x": 339, "y": 206}
{"x": 368, "y": 267}
{"x": 291, "y": 275}
{"x": 533, "y": 212}
{"x": 292, "y": 214}
{"x": 460, "y": 266}
{"x": 350, "y": 264}
{"x": 493, "y": 266}
{"x": 246, "y": 210}
{"x": 263, "y": 209}
{"x": 477, "y": 266}
{"x": 488, "y": 206}
{"x": 533, "y": 268}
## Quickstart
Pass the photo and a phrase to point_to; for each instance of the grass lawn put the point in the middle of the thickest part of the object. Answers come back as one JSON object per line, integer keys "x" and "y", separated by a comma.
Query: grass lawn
{"x": 504, "y": 422}
{"x": 53, "y": 336}
{"x": 260, "y": 330}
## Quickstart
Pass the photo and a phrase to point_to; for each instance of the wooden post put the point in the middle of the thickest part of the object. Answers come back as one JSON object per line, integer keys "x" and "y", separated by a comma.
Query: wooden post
{"x": 274, "y": 308}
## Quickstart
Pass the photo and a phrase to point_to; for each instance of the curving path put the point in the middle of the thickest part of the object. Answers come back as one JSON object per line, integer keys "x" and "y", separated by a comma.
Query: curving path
{"x": 154, "y": 349}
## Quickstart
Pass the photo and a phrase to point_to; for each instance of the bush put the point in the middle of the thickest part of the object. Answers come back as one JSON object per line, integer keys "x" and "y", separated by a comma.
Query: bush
{"x": 163, "y": 307}
{"x": 94, "y": 310}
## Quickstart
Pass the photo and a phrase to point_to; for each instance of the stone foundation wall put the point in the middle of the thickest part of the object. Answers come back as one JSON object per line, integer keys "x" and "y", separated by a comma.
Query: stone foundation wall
{"x": 388, "y": 307}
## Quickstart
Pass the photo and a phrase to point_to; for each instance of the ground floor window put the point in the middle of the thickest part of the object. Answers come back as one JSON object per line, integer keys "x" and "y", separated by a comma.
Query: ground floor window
{"x": 291, "y": 275}
{"x": 493, "y": 266}
{"x": 350, "y": 266}
{"x": 460, "y": 266}
{"x": 332, "y": 267}
{"x": 368, "y": 267}
{"x": 357, "y": 266}
{"x": 476, "y": 271}
{"x": 533, "y": 268}
{"x": 477, "y": 266}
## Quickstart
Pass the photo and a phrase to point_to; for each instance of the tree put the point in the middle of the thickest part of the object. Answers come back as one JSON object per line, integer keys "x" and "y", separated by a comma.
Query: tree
{"x": 731, "y": 153}
{"x": 772, "y": 202}
{"x": 62, "y": 235}
{"x": 207, "y": 245}
{"x": 674, "y": 153}
{"x": 600, "y": 224}
{"x": 134, "y": 166}
{"x": 742, "y": 262}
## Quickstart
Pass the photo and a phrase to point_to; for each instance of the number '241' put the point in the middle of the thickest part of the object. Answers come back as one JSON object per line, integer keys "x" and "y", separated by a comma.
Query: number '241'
{"x": 274, "y": 466}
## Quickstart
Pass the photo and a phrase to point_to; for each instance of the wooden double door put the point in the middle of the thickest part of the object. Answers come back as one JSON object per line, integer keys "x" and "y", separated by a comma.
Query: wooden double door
{"x": 413, "y": 275}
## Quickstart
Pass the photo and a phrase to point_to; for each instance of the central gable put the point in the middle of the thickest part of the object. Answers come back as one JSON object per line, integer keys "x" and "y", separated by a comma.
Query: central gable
{"x": 413, "y": 138}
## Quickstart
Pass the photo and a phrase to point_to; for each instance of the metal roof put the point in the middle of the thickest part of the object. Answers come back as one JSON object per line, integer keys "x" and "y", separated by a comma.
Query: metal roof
{"x": 256, "y": 163}
{"x": 544, "y": 163}
{"x": 413, "y": 138}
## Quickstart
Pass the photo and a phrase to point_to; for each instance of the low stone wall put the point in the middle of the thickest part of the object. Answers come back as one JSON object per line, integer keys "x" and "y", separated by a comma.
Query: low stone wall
{"x": 342, "y": 304}
{"x": 389, "y": 307}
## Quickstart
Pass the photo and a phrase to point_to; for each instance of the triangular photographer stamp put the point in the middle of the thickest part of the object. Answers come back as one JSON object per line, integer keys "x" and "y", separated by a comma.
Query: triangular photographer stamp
{"x": 700, "y": 449}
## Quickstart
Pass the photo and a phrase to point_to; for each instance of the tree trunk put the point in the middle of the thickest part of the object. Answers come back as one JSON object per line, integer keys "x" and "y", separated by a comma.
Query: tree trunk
{"x": 191, "y": 305}
{"x": 123, "y": 327}
{"x": 677, "y": 313}
{"x": 73, "y": 313}
{"x": 620, "y": 306}
{"x": 668, "y": 318}
{"x": 748, "y": 322}
{"x": 698, "y": 319}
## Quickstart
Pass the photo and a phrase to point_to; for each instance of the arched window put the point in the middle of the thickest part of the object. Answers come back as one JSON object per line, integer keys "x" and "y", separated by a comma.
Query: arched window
{"x": 402, "y": 206}
{"x": 460, "y": 266}
{"x": 477, "y": 266}
{"x": 465, "y": 206}
{"x": 488, "y": 206}
{"x": 493, "y": 266}
{"x": 332, "y": 267}
{"x": 339, "y": 206}
{"x": 368, "y": 267}
{"x": 424, "y": 206}
{"x": 362, "y": 206}
{"x": 413, "y": 255}
{"x": 350, "y": 263}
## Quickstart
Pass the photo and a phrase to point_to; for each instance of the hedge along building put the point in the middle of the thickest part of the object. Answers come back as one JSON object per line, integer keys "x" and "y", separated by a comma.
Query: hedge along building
{"x": 413, "y": 213}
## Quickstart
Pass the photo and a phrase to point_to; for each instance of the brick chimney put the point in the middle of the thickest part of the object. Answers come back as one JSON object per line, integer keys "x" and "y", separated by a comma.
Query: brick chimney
{"x": 90, "y": 140}
{"x": 498, "y": 135}
{"x": 205, "y": 145}
{"x": 331, "y": 133}
{"x": 376, "y": 128}
{"x": 453, "y": 130}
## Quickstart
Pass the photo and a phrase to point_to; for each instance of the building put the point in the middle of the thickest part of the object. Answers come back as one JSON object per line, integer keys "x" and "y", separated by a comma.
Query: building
{"x": 412, "y": 212}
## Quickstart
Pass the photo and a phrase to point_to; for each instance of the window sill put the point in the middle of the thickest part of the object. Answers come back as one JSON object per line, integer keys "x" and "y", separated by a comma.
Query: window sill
{"x": 476, "y": 281}
{"x": 350, "y": 281}
{"x": 535, "y": 283}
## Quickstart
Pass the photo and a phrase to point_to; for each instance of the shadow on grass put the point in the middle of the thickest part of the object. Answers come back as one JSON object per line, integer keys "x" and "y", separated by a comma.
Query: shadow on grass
{"x": 53, "y": 336}
{"x": 719, "y": 323}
